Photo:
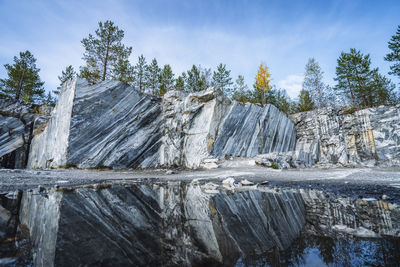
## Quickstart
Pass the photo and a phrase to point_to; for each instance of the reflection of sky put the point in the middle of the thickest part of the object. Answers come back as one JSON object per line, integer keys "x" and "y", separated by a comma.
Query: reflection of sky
{"x": 239, "y": 33}
{"x": 342, "y": 252}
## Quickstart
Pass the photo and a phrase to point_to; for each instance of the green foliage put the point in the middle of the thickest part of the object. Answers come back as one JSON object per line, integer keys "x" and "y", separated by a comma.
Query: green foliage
{"x": 361, "y": 85}
{"x": 319, "y": 92}
{"x": 123, "y": 71}
{"x": 305, "y": 102}
{"x": 103, "y": 53}
{"x": 66, "y": 74}
{"x": 274, "y": 165}
{"x": 49, "y": 100}
{"x": 23, "y": 81}
{"x": 394, "y": 55}
{"x": 180, "y": 82}
{"x": 222, "y": 79}
{"x": 140, "y": 74}
{"x": 241, "y": 91}
{"x": 152, "y": 76}
{"x": 197, "y": 79}
{"x": 166, "y": 79}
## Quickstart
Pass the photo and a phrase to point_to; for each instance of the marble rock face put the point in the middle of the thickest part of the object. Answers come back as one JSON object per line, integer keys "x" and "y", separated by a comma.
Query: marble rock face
{"x": 204, "y": 125}
{"x": 109, "y": 124}
{"x": 366, "y": 137}
{"x": 18, "y": 121}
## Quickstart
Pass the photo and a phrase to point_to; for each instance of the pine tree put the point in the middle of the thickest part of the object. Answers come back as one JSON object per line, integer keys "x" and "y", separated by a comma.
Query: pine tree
{"x": 103, "y": 51}
{"x": 197, "y": 79}
{"x": 49, "y": 100}
{"x": 180, "y": 82}
{"x": 353, "y": 75}
{"x": 262, "y": 83}
{"x": 240, "y": 90}
{"x": 222, "y": 80}
{"x": 140, "y": 74}
{"x": 123, "y": 71}
{"x": 152, "y": 76}
{"x": 66, "y": 74}
{"x": 394, "y": 55}
{"x": 305, "y": 101}
{"x": 358, "y": 82}
{"x": 313, "y": 83}
{"x": 166, "y": 79}
{"x": 23, "y": 81}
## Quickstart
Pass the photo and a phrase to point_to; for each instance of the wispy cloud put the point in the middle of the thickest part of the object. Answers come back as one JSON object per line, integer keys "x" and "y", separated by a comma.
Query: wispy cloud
{"x": 292, "y": 84}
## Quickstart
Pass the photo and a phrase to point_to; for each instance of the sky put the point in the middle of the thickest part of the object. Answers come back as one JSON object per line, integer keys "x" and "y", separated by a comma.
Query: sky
{"x": 241, "y": 34}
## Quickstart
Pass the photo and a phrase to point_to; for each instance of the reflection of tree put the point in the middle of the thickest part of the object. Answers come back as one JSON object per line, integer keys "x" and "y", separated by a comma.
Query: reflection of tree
{"x": 326, "y": 247}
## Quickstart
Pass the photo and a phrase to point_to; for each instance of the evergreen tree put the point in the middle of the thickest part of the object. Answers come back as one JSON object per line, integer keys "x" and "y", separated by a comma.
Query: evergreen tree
{"x": 152, "y": 76}
{"x": 313, "y": 83}
{"x": 140, "y": 74}
{"x": 166, "y": 79}
{"x": 197, "y": 79}
{"x": 123, "y": 71}
{"x": 180, "y": 82}
{"x": 103, "y": 51}
{"x": 222, "y": 80}
{"x": 23, "y": 81}
{"x": 49, "y": 100}
{"x": 66, "y": 74}
{"x": 356, "y": 81}
{"x": 240, "y": 90}
{"x": 394, "y": 55}
{"x": 305, "y": 101}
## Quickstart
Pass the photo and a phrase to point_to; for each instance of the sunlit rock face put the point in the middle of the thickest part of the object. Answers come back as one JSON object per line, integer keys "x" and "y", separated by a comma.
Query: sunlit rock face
{"x": 367, "y": 137}
{"x": 18, "y": 121}
{"x": 208, "y": 125}
{"x": 109, "y": 124}
{"x": 174, "y": 223}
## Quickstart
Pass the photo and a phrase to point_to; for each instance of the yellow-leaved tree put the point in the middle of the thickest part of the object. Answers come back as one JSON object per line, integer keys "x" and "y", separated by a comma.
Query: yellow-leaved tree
{"x": 262, "y": 83}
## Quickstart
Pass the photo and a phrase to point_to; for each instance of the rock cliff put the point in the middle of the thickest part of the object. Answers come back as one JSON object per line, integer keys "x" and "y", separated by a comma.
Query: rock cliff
{"x": 111, "y": 124}
{"x": 366, "y": 137}
{"x": 207, "y": 124}
{"x": 18, "y": 121}
{"x": 108, "y": 124}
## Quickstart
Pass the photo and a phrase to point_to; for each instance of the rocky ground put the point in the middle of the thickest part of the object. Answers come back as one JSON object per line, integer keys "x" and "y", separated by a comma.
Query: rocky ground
{"x": 354, "y": 182}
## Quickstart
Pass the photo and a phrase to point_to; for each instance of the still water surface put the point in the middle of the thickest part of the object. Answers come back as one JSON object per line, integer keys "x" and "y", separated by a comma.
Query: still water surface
{"x": 317, "y": 251}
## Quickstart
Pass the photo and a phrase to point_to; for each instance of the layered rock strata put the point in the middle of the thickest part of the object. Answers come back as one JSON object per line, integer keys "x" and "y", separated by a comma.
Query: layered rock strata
{"x": 18, "y": 122}
{"x": 366, "y": 137}
{"x": 207, "y": 124}
{"x": 109, "y": 124}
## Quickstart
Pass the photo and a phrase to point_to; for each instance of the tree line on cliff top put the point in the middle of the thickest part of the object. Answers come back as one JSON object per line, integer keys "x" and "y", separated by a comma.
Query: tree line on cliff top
{"x": 106, "y": 57}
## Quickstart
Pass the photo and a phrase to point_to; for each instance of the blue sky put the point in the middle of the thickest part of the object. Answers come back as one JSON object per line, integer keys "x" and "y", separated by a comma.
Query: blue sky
{"x": 241, "y": 34}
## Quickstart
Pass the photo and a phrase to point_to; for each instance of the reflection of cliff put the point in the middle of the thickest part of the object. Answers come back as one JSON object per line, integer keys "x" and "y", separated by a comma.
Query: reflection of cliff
{"x": 185, "y": 223}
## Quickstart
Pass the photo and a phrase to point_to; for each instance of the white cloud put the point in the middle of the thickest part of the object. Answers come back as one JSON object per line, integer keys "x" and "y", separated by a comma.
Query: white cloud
{"x": 292, "y": 84}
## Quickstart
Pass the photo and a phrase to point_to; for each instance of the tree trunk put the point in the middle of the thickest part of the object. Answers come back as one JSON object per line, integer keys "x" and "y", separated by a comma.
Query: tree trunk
{"x": 19, "y": 88}
{"x": 106, "y": 59}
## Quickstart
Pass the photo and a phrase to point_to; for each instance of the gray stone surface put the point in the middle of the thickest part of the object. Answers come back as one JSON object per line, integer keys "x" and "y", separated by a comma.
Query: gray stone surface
{"x": 366, "y": 137}
{"x": 204, "y": 125}
{"x": 18, "y": 120}
{"x": 109, "y": 124}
